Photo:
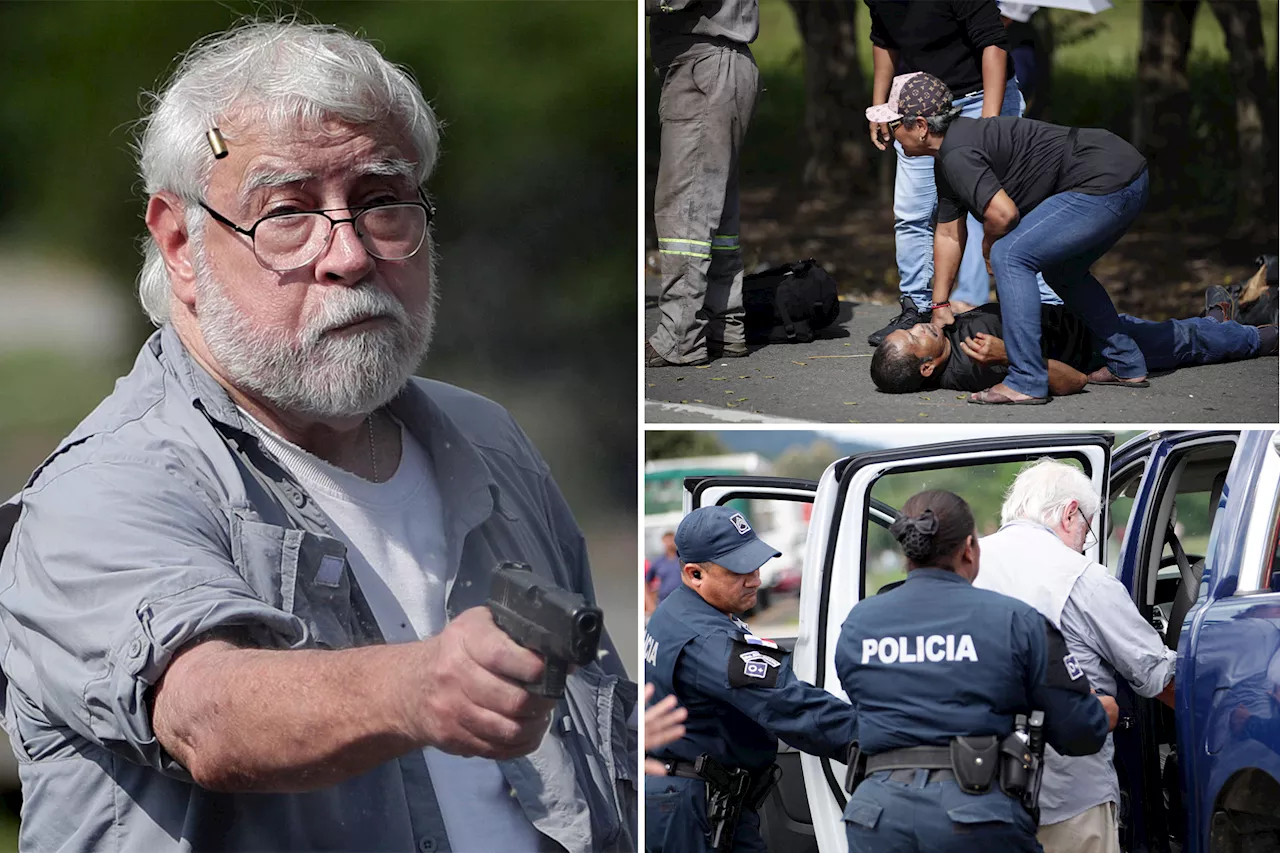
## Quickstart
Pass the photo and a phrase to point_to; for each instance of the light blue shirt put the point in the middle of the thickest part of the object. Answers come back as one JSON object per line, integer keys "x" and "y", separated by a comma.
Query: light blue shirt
{"x": 1110, "y": 640}
{"x": 162, "y": 518}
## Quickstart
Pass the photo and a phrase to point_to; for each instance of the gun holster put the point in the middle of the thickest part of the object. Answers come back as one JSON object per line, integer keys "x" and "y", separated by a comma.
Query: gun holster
{"x": 1015, "y": 766}
{"x": 763, "y": 784}
{"x": 727, "y": 792}
{"x": 855, "y": 767}
{"x": 975, "y": 760}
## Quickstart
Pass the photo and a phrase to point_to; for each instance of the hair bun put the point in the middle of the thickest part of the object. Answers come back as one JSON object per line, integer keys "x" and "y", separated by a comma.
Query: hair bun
{"x": 915, "y": 534}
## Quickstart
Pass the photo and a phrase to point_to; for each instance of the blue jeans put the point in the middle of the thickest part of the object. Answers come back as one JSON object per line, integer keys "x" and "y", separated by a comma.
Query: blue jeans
{"x": 1062, "y": 238}
{"x": 915, "y": 198}
{"x": 1196, "y": 340}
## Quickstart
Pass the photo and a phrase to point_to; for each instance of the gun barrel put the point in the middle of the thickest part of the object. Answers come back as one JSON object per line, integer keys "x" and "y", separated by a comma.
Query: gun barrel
{"x": 557, "y": 624}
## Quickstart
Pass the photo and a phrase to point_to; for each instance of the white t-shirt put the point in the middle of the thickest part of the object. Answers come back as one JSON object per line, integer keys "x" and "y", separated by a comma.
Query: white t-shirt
{"x": 394, "y": 532}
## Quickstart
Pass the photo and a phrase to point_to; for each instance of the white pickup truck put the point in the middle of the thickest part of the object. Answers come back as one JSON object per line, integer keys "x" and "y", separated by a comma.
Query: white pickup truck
{"x": 1199, "y": 512}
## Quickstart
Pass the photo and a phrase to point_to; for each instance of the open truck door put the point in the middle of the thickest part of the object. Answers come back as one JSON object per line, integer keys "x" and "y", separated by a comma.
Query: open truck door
{"x": 850, "y": 554}
{"x": 785, "y": 823}
{"x": 1166, "y": 491}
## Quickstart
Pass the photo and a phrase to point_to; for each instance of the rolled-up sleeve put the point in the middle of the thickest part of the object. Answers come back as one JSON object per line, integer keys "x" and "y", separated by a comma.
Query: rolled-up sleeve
{"x": 1123, "y": 637}
{"x": 982, "y": 24}
{"x": 113, "y": 567}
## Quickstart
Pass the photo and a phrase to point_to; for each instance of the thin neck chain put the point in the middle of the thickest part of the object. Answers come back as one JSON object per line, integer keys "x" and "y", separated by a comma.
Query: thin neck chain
{"x": 373, "y": 454}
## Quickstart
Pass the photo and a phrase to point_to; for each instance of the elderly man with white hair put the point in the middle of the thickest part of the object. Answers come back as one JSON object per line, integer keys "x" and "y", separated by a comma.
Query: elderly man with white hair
{"x": 1037, "y": 557}
{"x": 242, "y": 603}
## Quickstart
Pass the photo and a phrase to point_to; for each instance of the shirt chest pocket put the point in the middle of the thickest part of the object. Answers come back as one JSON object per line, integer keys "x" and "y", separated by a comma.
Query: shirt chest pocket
{"x": 302, "y": 573}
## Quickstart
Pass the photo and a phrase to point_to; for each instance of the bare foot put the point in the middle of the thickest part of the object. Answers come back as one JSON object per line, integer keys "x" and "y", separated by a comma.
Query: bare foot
{"x": 1003, "y": 395}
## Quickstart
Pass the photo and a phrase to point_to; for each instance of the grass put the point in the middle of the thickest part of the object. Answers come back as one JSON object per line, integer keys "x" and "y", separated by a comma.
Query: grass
{"x": 1093, "y": 85}
{"x": 1113, "y": 43}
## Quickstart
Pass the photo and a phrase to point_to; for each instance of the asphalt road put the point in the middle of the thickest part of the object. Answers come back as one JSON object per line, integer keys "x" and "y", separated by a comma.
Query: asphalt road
{"x": 828, "y": 381}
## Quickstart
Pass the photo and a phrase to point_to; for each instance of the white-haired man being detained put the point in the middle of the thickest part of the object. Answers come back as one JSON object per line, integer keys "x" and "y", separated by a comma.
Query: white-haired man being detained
{"x": 1037, "y": 556}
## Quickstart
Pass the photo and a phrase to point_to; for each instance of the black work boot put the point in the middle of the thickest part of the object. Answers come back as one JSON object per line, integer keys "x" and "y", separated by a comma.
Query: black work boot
{"x": 1217, "y": 303}
{"x": 910, "y": 316}
{"x": 652, "y": 359}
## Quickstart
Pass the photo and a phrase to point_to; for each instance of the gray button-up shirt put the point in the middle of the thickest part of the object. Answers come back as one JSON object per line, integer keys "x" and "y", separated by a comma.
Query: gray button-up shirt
{"x": 161, "y": 518}
{"x": 1109, "y": 639}
{"x": 680, "y": 30}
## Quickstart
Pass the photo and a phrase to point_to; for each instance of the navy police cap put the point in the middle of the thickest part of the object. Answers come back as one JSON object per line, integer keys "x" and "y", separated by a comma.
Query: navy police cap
{"x": 721, "y": 535}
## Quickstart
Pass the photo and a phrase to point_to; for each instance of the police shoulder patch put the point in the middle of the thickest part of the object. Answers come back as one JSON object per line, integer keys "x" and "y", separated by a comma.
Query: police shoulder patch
{"x": 754, "y": 665}
{"x": 1062, "y": 668}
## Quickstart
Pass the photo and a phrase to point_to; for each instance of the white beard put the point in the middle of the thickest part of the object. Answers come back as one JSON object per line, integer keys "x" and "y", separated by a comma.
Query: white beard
{"x": 313, "y": 373}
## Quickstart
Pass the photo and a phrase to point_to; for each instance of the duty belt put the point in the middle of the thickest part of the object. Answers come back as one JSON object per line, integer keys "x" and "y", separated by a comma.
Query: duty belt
{"x": 910, "y": 758}
{"x": 759, "y": 787}
{"x": 975, "y": 763}
{"x": 729, "y": 790}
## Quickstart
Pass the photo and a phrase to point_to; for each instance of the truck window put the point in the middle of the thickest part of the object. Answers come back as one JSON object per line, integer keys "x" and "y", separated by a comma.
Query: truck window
{"x": 784, "y": 524}
{"x": 982, "y": 486}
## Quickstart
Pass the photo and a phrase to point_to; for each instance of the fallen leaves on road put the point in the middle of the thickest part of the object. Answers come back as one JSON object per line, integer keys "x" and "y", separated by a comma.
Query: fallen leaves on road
{"x": 801, "y": 363}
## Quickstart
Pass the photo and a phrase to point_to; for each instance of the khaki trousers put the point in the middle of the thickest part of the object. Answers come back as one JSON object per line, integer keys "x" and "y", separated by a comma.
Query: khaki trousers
{"x": 707, "y": 103}
{"x": 1091, "y": 831}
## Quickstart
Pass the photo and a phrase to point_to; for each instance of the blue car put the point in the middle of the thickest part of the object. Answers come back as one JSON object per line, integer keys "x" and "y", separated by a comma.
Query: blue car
{"x": 1191, "y": 524}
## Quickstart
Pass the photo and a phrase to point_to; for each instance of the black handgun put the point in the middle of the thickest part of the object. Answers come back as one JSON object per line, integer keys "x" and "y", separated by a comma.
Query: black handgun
{"x": 726, "y": 791}
{"x": 542, "y": 617}
{"x": 1035, "y": 740}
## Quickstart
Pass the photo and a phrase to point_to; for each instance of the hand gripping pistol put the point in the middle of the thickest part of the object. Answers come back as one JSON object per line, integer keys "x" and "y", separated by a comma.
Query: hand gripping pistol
{"x": 542, "y": 617}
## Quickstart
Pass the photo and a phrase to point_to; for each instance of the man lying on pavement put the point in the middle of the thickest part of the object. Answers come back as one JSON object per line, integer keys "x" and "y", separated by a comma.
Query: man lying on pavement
{"x": 970, "y": 354}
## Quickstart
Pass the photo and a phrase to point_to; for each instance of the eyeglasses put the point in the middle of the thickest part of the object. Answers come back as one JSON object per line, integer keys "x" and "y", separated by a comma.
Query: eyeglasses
{"x": 1089, "y": 528}
{"x": 895, "y": 124}
{"x": 288, "y": 241}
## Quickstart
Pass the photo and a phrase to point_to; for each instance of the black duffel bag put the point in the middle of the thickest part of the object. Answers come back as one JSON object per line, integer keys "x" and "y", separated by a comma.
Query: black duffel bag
{"x": 788, "y": 304}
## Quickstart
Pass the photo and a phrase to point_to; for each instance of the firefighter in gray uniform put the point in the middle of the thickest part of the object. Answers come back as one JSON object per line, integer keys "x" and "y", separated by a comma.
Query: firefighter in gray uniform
{"x": 739, "y": 690}
{"x": 709, "y": 88}
{"x": 956, "y": 690}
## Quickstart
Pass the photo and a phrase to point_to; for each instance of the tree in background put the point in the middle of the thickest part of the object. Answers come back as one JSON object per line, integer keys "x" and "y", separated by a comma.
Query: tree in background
{"x": 1162, "y": 119}
{"x": 674, "y": 444}
{"x": 807, "y": 463}
{"x": 1255, "y": 111}
{"x": 835, "y": 91}
{"x": 1162, "y": 115}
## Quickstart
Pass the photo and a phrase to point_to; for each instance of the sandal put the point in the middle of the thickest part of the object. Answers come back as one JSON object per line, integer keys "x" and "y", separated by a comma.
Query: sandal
{"x": 1104, "y": 376}
{"x": 992, "y": 397}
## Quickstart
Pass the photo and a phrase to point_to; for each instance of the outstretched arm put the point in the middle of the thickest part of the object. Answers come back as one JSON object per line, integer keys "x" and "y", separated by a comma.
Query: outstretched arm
{"x": 266, "y": 720}
{"x": 806, "y": 717}
{"x": 948, "y": 249}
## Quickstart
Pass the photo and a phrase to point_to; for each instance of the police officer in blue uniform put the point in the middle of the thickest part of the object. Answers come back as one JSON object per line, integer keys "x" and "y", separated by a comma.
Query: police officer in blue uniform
{"x": 938, "y": 671}
{"x": 738, "y": 688}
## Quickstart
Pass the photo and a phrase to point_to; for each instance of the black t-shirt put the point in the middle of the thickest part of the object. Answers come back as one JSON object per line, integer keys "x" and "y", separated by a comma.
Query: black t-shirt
{"x": 940, "y": 37}
{"x": 979, "y": 157}
{"x": 1063, "y": 337}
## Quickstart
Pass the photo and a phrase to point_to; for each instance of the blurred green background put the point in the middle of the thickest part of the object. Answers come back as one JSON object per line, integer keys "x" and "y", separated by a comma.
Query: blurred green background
{"x": 536, "y": 189}
{"x": 1094, "y": 84}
